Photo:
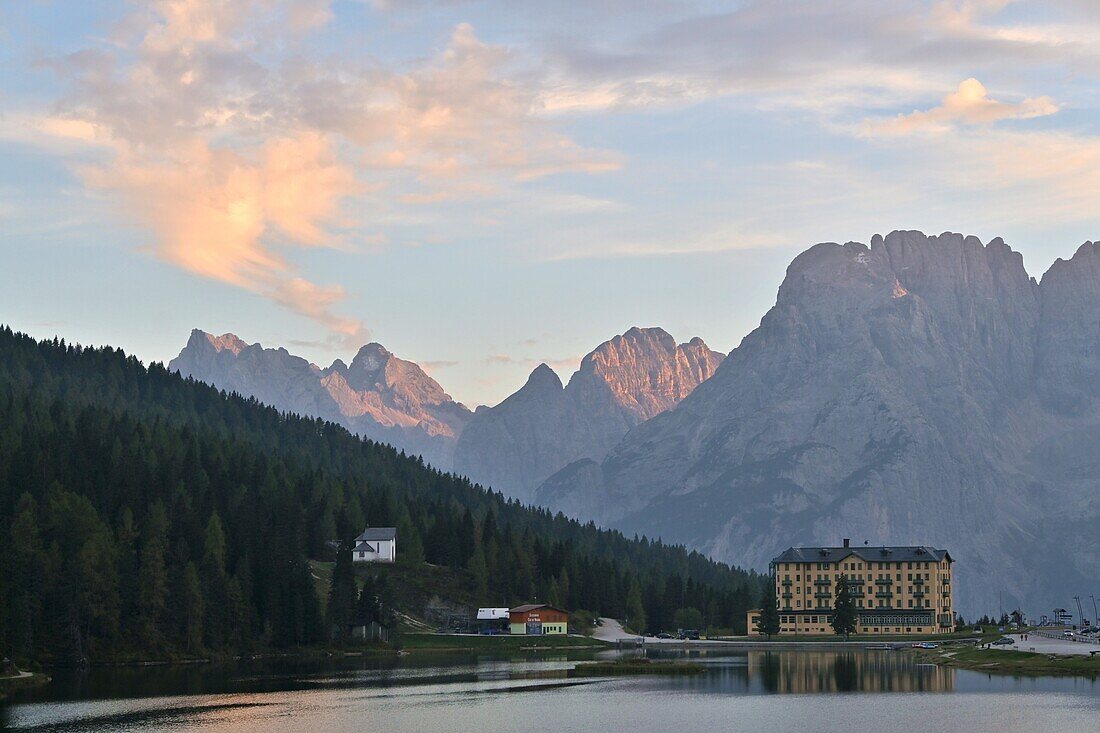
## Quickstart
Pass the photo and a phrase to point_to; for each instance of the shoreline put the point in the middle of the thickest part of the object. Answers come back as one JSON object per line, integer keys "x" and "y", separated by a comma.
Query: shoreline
{"x": 420, "y": 643}
{"x": 22, "y": 681}
{"x": 1011, "y": 662}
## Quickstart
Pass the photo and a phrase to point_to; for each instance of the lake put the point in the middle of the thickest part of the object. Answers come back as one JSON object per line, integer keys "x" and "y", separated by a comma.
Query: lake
{"x": 803, "y": 691}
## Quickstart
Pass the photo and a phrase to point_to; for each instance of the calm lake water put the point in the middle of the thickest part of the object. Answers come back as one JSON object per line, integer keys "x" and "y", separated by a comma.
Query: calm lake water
{"x": 754, "y": 691}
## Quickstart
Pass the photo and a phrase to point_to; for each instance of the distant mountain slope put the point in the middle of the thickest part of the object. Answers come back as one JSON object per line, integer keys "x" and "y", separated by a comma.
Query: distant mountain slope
{"x": 545, "y": 426}
{"x": 378, "y": 396}
{"x": 920, "y": 390}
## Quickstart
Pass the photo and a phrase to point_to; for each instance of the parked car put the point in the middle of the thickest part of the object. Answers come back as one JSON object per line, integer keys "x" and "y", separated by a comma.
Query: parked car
{"x": 1004, "y": 641}
{"x": 664, "y": 635}
{"x": 692, "y": 634}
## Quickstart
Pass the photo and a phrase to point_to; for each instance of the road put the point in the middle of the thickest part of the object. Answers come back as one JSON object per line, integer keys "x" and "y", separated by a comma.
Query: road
{"x": 1044, "y": 645}
{"x": 611, "y": 630}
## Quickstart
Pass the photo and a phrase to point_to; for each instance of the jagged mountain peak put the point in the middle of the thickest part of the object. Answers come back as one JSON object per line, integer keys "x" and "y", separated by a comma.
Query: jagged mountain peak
{"x": 1084, "y": 264}
{"x": 378, "y": 395}
{"x": 543, "y": 377}
{"x": 372, "y": 356}
{"x": 226, "y": 342}
{"x": 645, "y": 370}
{"x": 544, "y": 426}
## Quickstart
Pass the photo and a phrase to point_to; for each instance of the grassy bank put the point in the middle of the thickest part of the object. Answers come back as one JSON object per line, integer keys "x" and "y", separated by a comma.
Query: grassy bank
{"x": 635, "y": 667}
{"x": 10, "y": 685}
{"x": 1011, "y": 662}
{"x": 503, "y": 642}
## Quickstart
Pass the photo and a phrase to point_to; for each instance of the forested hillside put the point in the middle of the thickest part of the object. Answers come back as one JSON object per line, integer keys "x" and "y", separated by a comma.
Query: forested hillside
{"x": 144, "y": 515}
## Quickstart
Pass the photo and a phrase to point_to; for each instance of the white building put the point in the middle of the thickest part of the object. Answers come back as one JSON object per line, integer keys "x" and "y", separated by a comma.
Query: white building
{"x": 492, "y": 614}
{"x": 376, "y": 544}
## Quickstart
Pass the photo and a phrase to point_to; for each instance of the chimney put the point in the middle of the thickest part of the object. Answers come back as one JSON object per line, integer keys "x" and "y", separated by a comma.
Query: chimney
{"x": 847, "y": 542}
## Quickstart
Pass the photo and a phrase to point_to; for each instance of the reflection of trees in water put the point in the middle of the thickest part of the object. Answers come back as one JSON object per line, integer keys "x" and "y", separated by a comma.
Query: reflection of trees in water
{"x": 846, "y": 671}
{"x": 769, "y": 670}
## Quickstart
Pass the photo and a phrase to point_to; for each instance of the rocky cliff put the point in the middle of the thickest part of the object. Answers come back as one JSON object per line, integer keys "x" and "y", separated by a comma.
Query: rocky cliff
{"x": 546, "y": 426}
{"x": 378, "y": 395}
{"x": 919, "y": 390}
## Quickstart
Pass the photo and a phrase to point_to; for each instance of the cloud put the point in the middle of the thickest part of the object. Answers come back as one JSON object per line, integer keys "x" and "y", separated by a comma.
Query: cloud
{"x": 831, "y": 55}
{"x": 969, "y": 104}
{"x": 569, "y": 362}
{"x": 234, "y": 157}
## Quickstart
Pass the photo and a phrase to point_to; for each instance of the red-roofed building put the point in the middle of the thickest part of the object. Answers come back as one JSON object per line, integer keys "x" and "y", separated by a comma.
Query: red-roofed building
{"x": 536, "y": 619}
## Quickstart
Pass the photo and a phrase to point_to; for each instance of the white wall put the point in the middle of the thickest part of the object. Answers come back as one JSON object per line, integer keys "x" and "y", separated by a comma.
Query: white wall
{"x": 387, "y": 551}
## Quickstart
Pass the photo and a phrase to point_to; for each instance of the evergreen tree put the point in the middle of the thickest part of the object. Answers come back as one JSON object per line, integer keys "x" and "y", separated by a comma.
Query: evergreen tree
{"x": 342, "y": 594}
{"x": 480, "y": 573}
{"x": 844, "y": 608}
{"x": 635, "y": 610}
{"x": 411, "y": 549}
{"x": 768, "y": 623}
{"x": 153, "y": 576}
{"x": 192, "y": 608}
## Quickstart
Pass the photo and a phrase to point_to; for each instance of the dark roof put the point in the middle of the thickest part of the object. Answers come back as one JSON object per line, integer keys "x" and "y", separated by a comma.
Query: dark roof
{"x": 373, "y": 534}
{"x": 921, "y": 553}
{"x": 535, "y": 606}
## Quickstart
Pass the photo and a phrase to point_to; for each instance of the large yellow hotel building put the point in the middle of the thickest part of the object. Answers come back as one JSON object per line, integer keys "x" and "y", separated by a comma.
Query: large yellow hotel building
{"x": 898, "y": 590}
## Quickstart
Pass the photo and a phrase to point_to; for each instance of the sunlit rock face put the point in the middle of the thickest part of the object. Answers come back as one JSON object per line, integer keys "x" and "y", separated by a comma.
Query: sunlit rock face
{"x": 545, "y": 426}
{"x": 378, "y": 396}
{"x": 920, "y": 390}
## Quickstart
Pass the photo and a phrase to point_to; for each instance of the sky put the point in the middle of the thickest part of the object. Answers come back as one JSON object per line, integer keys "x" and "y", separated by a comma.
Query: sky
{"x": 483, "y": 186}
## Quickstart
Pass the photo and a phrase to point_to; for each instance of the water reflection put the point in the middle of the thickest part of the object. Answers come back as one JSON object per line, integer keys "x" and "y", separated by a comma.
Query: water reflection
{"x": 767, "y": 690}
{"x": 845, "y": 671}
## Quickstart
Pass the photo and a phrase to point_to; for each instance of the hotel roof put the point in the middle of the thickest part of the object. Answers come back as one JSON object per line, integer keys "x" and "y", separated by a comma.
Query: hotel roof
{"x": 868, "y": 553}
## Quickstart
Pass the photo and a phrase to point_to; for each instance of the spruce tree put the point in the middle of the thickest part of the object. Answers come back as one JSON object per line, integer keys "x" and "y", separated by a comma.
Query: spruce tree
{"x": 635, "y": 611}
{"x": 844, "y": 608}
{"x": 342, "y": 594}
{"x": 480, "y": 572}
{"x": 768, "y": 623}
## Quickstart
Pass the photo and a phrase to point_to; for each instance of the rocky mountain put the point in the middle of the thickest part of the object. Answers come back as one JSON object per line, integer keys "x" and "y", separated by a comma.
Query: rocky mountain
{"x": 920, "y": 390}
{"x": 545, "y": 426}
{"x": 378, "y": 395}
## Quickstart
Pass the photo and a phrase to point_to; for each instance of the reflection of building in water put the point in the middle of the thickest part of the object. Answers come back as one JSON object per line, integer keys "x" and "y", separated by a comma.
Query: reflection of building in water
{"x": 897, "y": 590}
{"x": 846, "y": 671}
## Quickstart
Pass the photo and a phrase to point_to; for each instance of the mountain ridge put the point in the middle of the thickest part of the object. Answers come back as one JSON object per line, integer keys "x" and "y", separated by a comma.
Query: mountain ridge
{"x": 911, "y": 390}
{"x": 377, "y": 395}
{"x": 546, "y": 425}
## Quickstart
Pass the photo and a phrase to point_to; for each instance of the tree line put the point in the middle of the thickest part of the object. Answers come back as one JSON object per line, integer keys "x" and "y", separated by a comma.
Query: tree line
{"x": 146, "y": 515}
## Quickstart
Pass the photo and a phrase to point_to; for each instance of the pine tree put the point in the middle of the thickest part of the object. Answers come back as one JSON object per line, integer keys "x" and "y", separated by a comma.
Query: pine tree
{"x": 480, "y": 572}
{"x": 844, "y": 608}
{"x": 768, "y": 623}
{"x": 153, "y": 581}
{"x": 342, "y": 594}
{"x": 192, "y": 609}
{"x": 635, "y": 611}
